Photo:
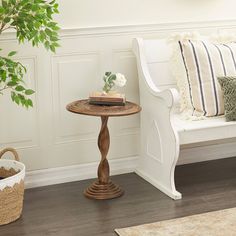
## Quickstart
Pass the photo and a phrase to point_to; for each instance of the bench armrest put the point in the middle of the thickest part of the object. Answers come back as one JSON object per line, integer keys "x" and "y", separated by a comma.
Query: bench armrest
{"x": 170, "y": 96}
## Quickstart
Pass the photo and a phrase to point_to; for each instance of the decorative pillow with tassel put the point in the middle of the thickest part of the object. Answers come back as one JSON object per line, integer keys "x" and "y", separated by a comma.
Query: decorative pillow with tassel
{"x": 198, "y": 62}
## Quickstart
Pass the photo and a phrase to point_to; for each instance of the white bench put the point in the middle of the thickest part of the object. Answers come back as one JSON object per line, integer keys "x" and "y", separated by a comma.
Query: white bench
{"x": 162, "y": 130}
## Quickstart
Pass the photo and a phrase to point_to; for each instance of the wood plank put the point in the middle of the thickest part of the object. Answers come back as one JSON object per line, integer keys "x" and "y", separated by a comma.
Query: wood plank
{"x": 62, "y": 210}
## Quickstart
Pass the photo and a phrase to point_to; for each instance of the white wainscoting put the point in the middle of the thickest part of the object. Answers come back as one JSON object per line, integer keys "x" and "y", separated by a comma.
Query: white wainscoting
{"x": 48, "y": 136}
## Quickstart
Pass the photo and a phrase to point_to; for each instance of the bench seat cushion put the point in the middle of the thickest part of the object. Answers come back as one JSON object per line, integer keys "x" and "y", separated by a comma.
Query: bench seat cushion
{"x": 212, "y": 128}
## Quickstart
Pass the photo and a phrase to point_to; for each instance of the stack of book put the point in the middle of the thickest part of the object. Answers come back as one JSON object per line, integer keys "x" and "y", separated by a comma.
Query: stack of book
{"x": 111, "y": 99}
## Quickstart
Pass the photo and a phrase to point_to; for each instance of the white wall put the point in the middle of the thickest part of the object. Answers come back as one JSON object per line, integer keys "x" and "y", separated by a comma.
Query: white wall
{"x": 94, "y": 13}
{"x": 48, "y": 136}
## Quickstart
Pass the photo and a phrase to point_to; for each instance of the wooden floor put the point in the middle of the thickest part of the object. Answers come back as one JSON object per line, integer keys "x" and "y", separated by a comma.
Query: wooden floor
{"x": 62, "y": 210}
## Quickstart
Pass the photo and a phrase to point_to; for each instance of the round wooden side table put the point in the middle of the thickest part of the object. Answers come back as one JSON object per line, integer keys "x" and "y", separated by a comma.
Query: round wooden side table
{"x": 103, "y": 188}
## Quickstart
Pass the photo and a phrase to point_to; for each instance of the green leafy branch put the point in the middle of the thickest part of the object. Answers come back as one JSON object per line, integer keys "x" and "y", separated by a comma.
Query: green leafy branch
{"x": 12, "y": 74}
{"x": 108, "y": 79}
{"x": 33, "y": 22}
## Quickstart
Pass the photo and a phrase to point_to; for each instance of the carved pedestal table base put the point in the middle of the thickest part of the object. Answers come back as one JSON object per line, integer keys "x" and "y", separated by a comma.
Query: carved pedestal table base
{"x": 103, "y": 188}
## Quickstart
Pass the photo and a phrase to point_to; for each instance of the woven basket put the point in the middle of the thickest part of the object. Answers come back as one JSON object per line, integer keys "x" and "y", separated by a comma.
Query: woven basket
{"x": 11, "y": 187}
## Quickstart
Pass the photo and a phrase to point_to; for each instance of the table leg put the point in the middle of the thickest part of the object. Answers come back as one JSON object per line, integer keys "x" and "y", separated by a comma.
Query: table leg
{"x": 103, "y": 188}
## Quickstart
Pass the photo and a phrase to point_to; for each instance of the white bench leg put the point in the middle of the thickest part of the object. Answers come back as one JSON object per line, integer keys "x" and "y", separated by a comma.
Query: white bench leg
{"x": 158, "y": 155}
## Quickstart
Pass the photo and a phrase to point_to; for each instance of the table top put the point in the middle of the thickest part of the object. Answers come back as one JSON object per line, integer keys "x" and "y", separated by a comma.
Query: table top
{"x": 83, "y": 107}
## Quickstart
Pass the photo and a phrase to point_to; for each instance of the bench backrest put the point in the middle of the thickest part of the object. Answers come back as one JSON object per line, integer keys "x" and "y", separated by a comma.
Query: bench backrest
{"x": 157, "y": 55}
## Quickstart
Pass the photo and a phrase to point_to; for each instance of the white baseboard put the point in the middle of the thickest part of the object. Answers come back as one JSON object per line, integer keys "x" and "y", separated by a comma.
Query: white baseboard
{"x": 66, "y": 174}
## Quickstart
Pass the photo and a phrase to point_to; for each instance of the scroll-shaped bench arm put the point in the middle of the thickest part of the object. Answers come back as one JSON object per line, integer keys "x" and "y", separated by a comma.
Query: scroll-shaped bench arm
{"x": 170, "y": 96}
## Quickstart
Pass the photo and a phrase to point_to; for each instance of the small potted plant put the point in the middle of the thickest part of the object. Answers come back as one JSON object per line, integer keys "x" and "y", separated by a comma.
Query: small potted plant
{"x": 111, "y": 80}
{"x": 32, "y": 21}
{"x": 108, "y": 96}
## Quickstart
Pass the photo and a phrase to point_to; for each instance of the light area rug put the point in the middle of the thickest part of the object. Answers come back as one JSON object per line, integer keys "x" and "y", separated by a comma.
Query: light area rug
{"x": 216, "y": 223}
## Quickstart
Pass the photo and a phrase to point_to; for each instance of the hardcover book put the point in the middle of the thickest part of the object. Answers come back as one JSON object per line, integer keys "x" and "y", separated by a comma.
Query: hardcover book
{"x": 111, "y": 99}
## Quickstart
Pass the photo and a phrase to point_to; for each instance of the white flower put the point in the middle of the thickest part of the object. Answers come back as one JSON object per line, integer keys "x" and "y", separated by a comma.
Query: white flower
{"x": 120, "y": 80}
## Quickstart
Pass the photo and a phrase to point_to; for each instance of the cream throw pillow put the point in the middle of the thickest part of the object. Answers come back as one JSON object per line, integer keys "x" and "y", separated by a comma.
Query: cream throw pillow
{"x": 200, "y": 62}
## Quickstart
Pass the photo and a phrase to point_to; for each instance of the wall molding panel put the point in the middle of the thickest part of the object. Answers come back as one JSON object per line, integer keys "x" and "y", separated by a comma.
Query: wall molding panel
{"x": 145, "y": 28}
{"x": 69, "y": 85}
{"x": 24, "y": 125}
{"x": 50, "y": 137}
{"x": 135, "y": 29}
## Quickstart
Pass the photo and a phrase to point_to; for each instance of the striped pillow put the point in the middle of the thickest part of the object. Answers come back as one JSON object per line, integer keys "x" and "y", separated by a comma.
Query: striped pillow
{"x": 203, "y": 61}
